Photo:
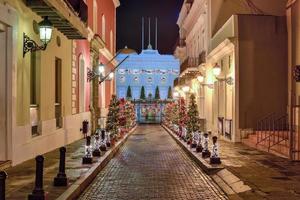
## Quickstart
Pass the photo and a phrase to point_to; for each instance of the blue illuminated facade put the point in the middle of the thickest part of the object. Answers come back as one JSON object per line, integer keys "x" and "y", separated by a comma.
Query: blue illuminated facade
{"x": 149, "y": 69}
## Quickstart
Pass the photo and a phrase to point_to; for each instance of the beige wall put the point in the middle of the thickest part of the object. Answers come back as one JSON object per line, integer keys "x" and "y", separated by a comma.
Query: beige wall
{"x": 47, "y": 66}
{"x": 222, "y": 10}
{"x": 262, "y": 68}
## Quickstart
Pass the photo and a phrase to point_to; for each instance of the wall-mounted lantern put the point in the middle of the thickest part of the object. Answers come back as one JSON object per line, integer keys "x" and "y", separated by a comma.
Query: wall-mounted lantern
{"x": 217, "y": 71}
{"x": 91, "y": 74}
{"x": 176, "y": 94}
{"x": 200, "y": 78}
{"x": 186, "y": 88}
{"x": 45, "y": 30}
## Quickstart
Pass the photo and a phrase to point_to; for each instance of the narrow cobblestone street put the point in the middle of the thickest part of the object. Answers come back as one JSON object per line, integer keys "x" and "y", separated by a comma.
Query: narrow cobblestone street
{"x": 152, "y": 166}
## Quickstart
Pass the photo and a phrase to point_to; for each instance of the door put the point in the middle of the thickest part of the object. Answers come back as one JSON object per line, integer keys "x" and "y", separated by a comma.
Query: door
{"x": 58, "y": 92}
{"x": 3, "y": 92}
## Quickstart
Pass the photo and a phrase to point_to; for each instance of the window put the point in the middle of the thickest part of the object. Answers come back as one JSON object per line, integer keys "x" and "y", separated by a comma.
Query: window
{"x": 111, "y": 42}
{"x": 103, "y": 27}
{"x": 33, "y": 77}
{"x": 35, "y": 59}
{"x": 95, "y": 16}
{"x": 81, "y": 84}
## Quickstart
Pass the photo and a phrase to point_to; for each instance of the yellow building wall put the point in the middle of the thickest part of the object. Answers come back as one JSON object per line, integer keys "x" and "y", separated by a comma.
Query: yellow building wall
{"x": 46, "y": 67}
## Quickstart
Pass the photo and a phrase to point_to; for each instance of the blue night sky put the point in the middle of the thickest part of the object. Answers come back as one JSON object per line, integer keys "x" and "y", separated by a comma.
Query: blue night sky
{"x": 129, "y": 16}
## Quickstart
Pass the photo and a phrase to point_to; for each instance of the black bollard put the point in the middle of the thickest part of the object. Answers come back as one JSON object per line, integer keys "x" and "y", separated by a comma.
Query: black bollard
{"x": 61, "y": 178}
{"x": 38, "y": 192}
{"x": 3, "y": 176}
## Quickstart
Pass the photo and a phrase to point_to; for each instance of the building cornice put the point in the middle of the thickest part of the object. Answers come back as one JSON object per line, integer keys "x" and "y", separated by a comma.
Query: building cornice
{"x": 196, "y": 11}
{"x": 222, "y": 49}
{"x": 116, "y": 3}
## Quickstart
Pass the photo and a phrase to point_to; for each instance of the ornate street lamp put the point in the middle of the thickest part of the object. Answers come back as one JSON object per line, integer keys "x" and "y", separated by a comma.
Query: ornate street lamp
{"x": 45, "y": 30}
{"x": 200, "y": 78}
{"x": 217, "y": 71}
{"x": 175, "y": 94}
{"x": 111, "y": 76}
{"x": 186, "y": 88}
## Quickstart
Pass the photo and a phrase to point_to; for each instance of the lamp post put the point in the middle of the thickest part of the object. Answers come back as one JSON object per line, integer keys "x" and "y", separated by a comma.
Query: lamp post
{"x": 45, "y": 30}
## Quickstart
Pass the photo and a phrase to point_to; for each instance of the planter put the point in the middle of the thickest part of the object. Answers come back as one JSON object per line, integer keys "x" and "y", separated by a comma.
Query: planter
{"x": 108, "y": 144}
{"x": 193, "y": 145}
{"x": 103, "y": 148}
{"x": 199, "y": 149}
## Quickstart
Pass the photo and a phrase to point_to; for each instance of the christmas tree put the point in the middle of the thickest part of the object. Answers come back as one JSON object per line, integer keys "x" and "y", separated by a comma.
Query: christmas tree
{"x": 129, "y": 115}
{"x": 157, "y": 95}
{"x": 170, "y": 95}
{"x": 175, "y": 113}
{"x": 143, "y": 95}
{"x": 129, "y": 95}
{"x": 122, "y": 111}
{"x": 193, "y": 115}
{"x": 182, "y": 113}
{"x": 112, "y": 122}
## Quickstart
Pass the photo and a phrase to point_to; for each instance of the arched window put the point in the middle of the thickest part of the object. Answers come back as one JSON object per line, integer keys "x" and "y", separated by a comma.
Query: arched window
{"x": 103, "y": 27}
{"x": 81, "y": 84}
{"x": 111, "y": 42}
{"x": 95, "y": 14}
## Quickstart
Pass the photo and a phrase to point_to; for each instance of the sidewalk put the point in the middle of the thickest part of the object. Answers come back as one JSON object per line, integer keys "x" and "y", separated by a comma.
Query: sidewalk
{"x": 20, "y": 181}
{"x": 268, "y": 176}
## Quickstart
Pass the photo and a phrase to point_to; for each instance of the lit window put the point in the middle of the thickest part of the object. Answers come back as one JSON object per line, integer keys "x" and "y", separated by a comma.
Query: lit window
{"x": 95, "y": 7}
{"x": 103, "y": 27}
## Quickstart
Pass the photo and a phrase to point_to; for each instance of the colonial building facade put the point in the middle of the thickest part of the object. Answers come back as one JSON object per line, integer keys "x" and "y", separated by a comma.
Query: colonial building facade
{"x": 293, "y": 24}
{"x": 149, "y": 69}
{"x": 238, "y": 75}
{"x": 45, "y": 95}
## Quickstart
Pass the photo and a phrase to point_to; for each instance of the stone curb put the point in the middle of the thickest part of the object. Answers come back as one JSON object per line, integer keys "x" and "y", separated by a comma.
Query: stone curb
{"x": 84, "y": 181}
{"x": 226, "y": 180}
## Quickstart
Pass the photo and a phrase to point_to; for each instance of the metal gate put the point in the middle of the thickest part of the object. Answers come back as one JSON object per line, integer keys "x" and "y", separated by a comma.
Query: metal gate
{"x": 149, "y": 112}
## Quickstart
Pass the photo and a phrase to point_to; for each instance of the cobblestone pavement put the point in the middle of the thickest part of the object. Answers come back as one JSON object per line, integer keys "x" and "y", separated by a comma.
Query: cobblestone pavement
{"x": 152, "y": 166}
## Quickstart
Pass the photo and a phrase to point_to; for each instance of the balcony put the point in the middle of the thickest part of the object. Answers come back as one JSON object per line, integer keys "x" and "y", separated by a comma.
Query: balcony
{"x": 67, "y": 16}
{"x": 179, "y": 81}
{"x": 80, "y": 8}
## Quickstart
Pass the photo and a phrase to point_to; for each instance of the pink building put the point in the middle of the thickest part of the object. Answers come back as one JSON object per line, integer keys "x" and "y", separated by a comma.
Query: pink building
{"x": 101, "y": 22}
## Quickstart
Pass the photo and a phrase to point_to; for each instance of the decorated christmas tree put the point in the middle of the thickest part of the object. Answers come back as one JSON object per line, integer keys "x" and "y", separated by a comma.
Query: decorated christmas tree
{"x": 168, "y": 113}
{"x": 129, "y": 95}
{"x": 122, "y": 111}
{"x": 157, "y": 95}
{"x": 170, "y": 95}
{"x": 182, "y": 113}
{"x": 129, "y": 114}
{"x": 143, "y": 95}
{"x": 193, "y": 116}
{"x": 175, "y": 113}
{"x": 112, "y": 122}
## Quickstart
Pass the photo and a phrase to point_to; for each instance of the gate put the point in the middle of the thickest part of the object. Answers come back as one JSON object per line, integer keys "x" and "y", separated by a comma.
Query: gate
{"x": 149, "y": 111}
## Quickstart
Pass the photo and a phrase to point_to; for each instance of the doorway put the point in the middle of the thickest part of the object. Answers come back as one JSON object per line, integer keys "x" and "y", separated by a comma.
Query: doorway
{"x": 58, "y": 92}
{"x": 3, "y": 92}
